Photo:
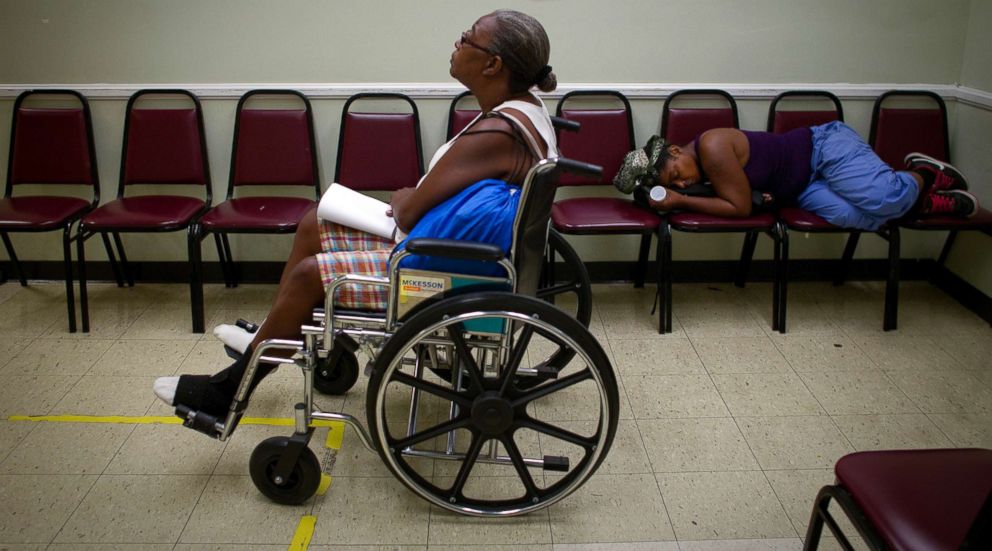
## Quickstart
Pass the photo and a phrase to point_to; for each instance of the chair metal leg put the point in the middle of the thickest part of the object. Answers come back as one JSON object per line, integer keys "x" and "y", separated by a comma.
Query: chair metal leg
{"x": 891, "y": 322}
{"x": 112, "y": 258}
{"x": 84, "y": 307}
{"x": 747, "y": 252}
{"x": 642, "y": 261}
{"x": 845, "y": 260}
{"x": 125, "y": 267}
{"x": 224, "y": 268}
{"x": 13, "y": 259}
{"x": 945, "y": 251}
{"x": 665, "y": 278}
{"x": 67, "y": 266}
{"x": 783, "y": 277}
{"x": 232, "y": 268}
{"x": 195, "y": 278}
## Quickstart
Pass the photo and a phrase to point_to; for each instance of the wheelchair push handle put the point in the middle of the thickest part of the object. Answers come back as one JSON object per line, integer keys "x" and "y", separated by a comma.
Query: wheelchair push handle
{"x": 578, "y": 167}
{"x": 561, "y": 123}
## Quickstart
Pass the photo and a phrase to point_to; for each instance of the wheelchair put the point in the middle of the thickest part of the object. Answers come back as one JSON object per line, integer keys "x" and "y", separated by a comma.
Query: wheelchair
{"x": 483, "y": 398}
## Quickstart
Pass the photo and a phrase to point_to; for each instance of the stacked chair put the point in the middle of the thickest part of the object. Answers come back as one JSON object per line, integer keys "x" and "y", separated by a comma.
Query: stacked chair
{"x": 790, "y": 110}
{"x": 680, "y": 124}
{"x": 163, "y": 145}
{"x": 607, "y": 135}
{"x": 920, "y": 126}
{"x": 51, "y": 142}
{"x": 274, "y": 148}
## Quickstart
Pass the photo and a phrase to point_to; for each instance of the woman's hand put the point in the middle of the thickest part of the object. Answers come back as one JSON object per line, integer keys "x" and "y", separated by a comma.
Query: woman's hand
{"x": 396, "y": 201}
{"x": 670, "y": 202}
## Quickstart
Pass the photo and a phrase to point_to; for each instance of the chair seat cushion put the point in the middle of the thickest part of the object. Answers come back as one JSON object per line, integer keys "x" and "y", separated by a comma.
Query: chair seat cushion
{"x": 257, "y": 214}
{"x": 145, "y": 212}
{"x": 919, "y": 499}
{"x": 695, "y": 222}
{"x": 981, "y": 221}
{"x": 39, "y": 212}
{"x": 799, "y": 219}
{"x": 589, "y": 215}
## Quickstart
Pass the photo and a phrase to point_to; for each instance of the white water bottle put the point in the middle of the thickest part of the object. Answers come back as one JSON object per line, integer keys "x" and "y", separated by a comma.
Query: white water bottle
{"x": 658, "y": 193}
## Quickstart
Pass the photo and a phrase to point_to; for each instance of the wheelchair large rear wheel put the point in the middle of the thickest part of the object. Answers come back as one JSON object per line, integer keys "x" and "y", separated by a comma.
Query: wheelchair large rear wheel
{"x": 480, "y": 444}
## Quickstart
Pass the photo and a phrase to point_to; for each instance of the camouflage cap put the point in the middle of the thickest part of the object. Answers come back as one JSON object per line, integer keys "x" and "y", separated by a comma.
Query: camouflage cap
{"x": 638, "y": 166}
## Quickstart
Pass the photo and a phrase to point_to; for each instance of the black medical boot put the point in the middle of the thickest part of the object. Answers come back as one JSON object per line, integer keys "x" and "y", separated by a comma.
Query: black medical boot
{"x": 213, "y": 394}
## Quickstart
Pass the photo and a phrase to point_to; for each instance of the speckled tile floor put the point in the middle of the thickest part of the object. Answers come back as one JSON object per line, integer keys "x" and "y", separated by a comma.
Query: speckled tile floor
{"x": 726, "y": 429}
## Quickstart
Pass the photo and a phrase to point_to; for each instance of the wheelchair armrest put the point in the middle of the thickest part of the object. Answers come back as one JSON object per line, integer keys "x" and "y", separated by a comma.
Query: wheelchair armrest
{"x": 453, "y": 248}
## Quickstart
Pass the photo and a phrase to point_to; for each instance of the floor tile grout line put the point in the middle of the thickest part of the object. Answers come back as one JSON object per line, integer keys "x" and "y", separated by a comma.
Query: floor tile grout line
{"x": 751, "y": 450}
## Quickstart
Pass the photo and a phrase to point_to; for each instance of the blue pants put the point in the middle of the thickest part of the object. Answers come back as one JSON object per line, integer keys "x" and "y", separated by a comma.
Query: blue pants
{"x": 850, "y": 185}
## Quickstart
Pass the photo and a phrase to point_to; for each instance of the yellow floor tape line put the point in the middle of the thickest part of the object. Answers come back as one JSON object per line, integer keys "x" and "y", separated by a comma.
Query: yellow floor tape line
{"x": 304, "y": 531}
{"x": 336, "y": 426}
{"x": 335, "y": 435}
{"x": 325, "y": 483}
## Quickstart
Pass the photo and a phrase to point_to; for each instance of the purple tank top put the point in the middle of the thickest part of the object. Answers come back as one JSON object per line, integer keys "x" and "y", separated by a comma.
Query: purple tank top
{"x": 780, "y": 163}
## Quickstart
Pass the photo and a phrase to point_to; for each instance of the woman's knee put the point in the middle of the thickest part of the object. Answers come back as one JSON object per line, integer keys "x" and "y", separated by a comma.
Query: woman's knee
{"x": 305, "y": 276}
{"x": 308, "y": 228}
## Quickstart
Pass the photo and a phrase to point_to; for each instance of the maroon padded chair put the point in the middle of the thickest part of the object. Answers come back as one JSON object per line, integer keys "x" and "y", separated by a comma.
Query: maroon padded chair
{"x": 379, "y": 150}
{"x": 606, "y": 137}
{"x": 817, "y": 107}
{"x": 680, "y": 125}
{"x": 162, "y": 146}
{"x": 49, "y": 145}
{"x": 905, "y": 500}
{"x": 459, "y": 116}
{"x": 898, "y": 130}
{"x": 274, "y": 147}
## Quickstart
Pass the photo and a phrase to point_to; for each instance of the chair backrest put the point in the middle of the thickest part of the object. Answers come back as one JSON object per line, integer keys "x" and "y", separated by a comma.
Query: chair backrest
{"x": 531, "y": 225}
{"x": 607, "y": 133}
{"x": 806, "y": 108}
{"x": 459, "y": 116}
{"x": 52, "y": 145}
{"x": 164, "y": 140}
{"x": 379, "y": 151}
{"x": 274, "y": 145}
{"x": 909, "y": 121}
{"x": 708, "y": 109}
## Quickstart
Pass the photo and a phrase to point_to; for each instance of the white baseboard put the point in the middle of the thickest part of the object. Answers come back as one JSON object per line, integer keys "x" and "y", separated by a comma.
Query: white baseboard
{"x": 428, "y": 90}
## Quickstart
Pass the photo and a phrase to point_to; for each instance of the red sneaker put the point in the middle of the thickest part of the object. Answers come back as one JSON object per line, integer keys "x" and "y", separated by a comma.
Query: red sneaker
{"x": 950, "y": 203}
{"x": 946, "y": 177}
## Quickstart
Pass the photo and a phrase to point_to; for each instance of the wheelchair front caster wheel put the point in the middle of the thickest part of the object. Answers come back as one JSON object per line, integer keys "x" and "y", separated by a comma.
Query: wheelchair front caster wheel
{"x": 298, "y": 486}
{"x": 335, "y": 378}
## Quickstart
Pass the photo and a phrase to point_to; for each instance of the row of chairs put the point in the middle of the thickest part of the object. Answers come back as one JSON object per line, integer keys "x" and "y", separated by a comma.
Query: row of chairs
{"x": 274, "y": 145}
{"x": 902, "y": 122}
{"x": 164, "y": 145}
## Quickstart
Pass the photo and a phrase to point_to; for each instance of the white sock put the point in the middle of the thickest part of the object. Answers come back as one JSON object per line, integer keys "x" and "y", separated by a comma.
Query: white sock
{"x": 234, "y": 336}
{"x": 165, "y": 389}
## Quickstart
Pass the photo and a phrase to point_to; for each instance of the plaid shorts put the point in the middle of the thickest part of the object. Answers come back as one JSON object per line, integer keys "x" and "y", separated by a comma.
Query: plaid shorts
{"x": 351, "y": 251}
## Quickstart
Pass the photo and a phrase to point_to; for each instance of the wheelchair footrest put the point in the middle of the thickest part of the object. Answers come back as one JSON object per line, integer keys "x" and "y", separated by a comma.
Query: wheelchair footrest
{"x": 556, "y": 463}
{"x": 199, "y": 421}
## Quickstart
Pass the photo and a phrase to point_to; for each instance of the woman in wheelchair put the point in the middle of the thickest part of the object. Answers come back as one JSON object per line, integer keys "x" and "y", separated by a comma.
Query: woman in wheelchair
{"x": 499, "y": 59}
{"x": 828, "y": 170}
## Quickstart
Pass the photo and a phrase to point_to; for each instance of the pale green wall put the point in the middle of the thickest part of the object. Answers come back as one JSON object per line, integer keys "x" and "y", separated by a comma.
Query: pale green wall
{"x": 776, "y": 42}
{"x": 193, "y": 41}
{"x": 972, "y": 146}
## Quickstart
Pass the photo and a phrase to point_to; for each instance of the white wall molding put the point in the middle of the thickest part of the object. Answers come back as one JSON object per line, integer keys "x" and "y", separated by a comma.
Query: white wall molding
{"x": 428, "y": 90}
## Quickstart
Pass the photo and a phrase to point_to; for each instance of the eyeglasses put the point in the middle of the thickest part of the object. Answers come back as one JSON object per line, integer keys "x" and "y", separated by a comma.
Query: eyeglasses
{"x": 466, "y": 40}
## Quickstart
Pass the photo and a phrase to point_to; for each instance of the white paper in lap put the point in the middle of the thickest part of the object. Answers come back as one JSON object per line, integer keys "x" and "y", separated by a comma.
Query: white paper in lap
{"x": 350, "y": 208}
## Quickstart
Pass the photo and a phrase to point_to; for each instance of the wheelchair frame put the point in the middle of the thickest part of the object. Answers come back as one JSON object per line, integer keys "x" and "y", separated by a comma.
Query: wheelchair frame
{"x": 487, "y": 398}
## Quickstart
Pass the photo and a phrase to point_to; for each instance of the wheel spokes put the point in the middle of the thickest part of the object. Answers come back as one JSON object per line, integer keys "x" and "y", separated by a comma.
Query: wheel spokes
{"x": 552, "y": 387}
{"x": 557, "y": 432}
{"x": 465, "y": 358}
{"x": 518, "y": 463}
{"x": 516, "y": 356}
{"x": 427, "y": 434}
{"x": 432, "y": 388}
{"x": 467, "y": 463}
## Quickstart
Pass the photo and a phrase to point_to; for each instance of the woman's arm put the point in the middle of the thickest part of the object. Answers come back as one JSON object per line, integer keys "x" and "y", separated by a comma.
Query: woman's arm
{"x": 721, "y": 156}
{"x": 487, "y": 150}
